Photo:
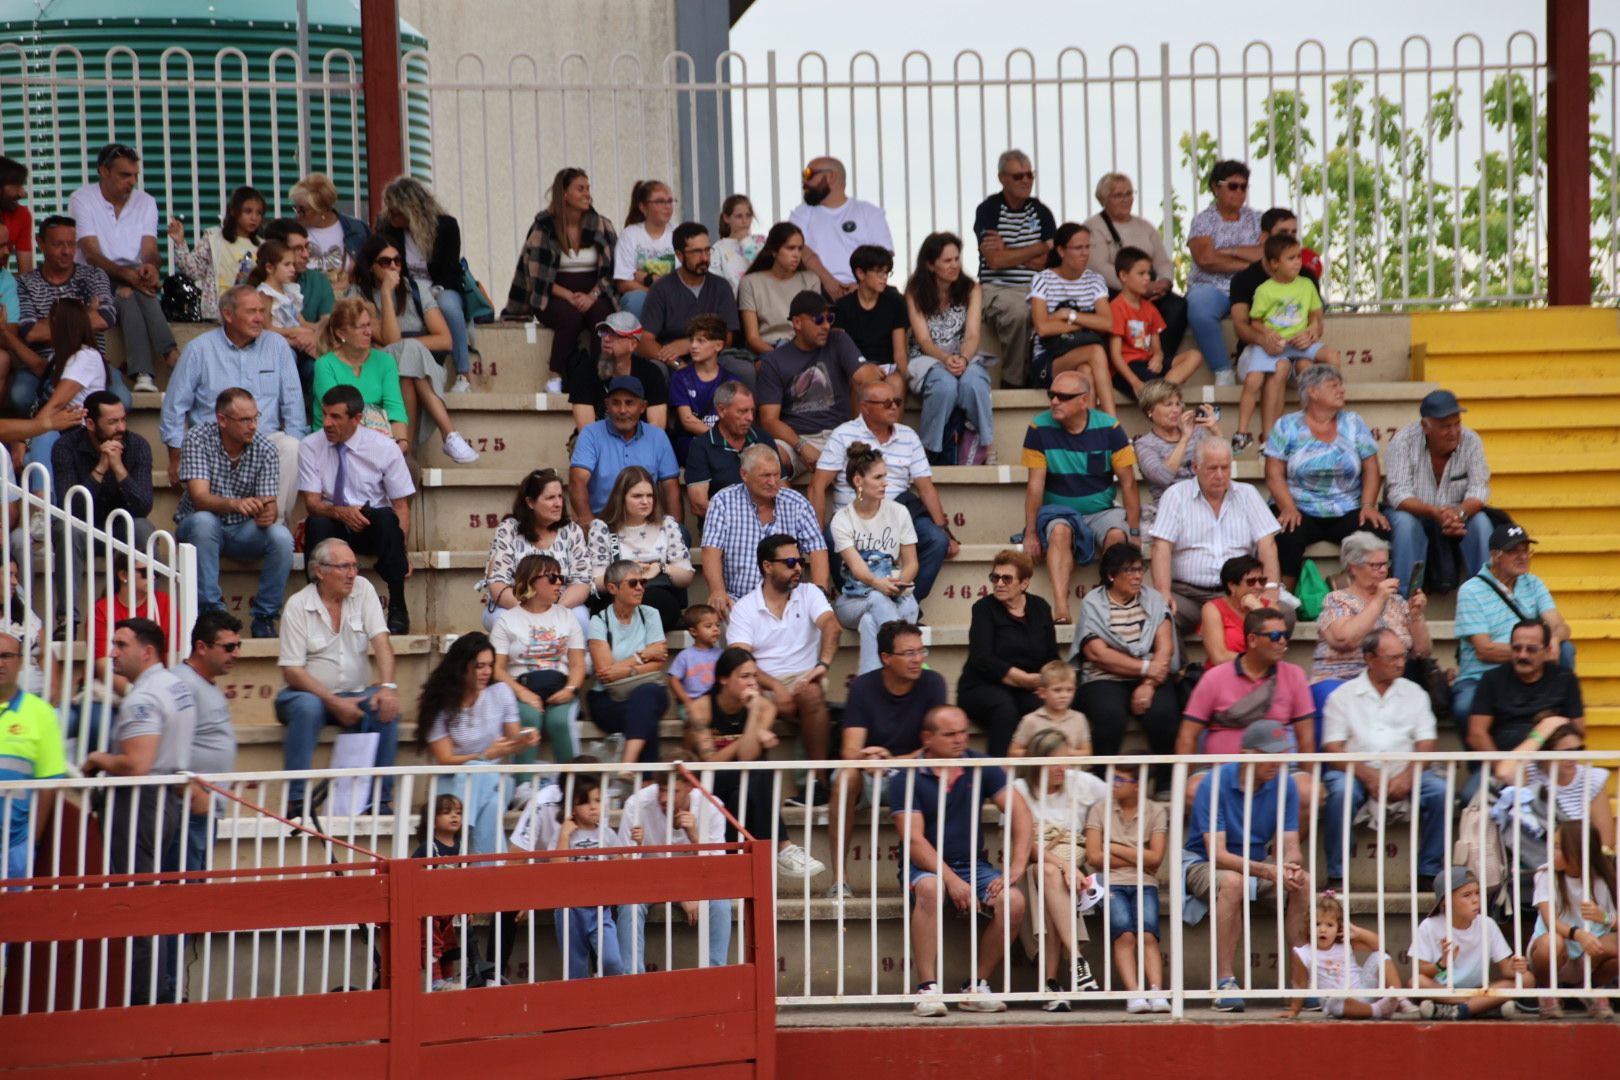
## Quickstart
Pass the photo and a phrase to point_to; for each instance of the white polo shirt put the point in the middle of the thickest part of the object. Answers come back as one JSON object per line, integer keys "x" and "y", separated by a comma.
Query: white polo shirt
{"x": 1204, "y": 540}
{"x": 118, "y": 232}
{"x": 786, "y": 646}
{"x": 338, "y": 660}
{"x": 1368, "y": 722}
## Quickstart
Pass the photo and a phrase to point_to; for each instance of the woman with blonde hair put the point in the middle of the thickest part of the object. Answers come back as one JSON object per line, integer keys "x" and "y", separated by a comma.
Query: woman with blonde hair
{"x": 349, "y": 356}
{"x": 335, "y": 238}
{"x": 430, "y": 239}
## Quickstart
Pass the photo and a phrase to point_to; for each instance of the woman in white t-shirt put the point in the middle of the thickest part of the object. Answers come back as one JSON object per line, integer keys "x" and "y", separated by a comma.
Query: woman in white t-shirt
{"x": 1068, "y": 305}
{"x": 878, "y": 543}
{"x": 739, "y": 245}
{"x": 76, "y": 370}
{"x": 775, "y": 277}
{"x": 540, "y": 654}
{"x": 630, "y": 527}
{"x": 464, "y": 717}
{"x": 646, "y": 248}
{"x": 1574, "y": 900}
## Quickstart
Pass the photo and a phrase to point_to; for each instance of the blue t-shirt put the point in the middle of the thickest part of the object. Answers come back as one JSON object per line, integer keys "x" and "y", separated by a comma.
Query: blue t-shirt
{"x": 694, "y": 668}
{"x": 1262, "y": 820}
{"x": 687, "y": 388}
{"x": 606, "y": 454}
{"x": 955, "y": 847}
{"x": 1324, "y": 478}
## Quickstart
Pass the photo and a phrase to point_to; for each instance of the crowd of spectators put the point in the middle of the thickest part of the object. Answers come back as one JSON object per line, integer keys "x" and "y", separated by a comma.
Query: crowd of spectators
{"x": 705, "y": 376}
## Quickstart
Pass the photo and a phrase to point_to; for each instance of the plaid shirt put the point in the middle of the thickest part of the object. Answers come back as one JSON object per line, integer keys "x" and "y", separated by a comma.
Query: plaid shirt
{"x": 734, "y": 527}
{"x": 1409, "y": 473}
{"x": 542, "y": 252}
{"x": 255, "y": 474}
{"x": 74, "y": 458}
{"x": 38, "y": 296}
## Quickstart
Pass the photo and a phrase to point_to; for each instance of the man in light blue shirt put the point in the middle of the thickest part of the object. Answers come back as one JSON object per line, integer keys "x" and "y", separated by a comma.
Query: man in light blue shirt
{"x": 1488, "y": 606}
{"x": 606, "y": 448}
{"x": 239, "y": 353}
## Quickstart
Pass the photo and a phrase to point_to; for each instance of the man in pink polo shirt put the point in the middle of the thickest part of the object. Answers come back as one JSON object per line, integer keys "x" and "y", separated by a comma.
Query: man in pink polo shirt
{"x": 1258, "y": 685}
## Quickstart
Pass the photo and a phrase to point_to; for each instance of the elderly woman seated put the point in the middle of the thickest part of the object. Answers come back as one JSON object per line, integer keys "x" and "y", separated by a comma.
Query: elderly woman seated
{"x": 1322, "y": 469}
{"x": 1371, "y": 601}
{"x": 1130, "y": 650}
{"x": 1243, "y": 579}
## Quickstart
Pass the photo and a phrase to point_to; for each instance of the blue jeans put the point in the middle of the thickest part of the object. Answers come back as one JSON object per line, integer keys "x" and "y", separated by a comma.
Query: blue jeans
{"x": 244, "y": 540}
{"x": 1206, "y": 307}
{"x": 303, "y": 714}
{"x": 866, "y": 613}
{"x": 632, "y": 926}
{"x": 633, "y": 301}
{"x": 1432, "y": 815}
{"x": 943, "y": 393}
{"x": 932, "y": 544}
{"x": 24, "y": 387}
{"x": 1409, "y": 543}
{"x": 453, "y": 306}
{"x": 578, "y": 926}
{"x": 480, "y": 792}
{"x": 1122, "y": 902}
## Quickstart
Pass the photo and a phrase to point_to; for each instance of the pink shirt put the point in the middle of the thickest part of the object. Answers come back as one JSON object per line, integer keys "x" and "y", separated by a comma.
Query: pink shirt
{"x": 1222, "y": 686}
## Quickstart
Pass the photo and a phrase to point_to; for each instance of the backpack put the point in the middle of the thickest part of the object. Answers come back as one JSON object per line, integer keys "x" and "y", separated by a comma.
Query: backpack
{"x": 1488, "y": 861}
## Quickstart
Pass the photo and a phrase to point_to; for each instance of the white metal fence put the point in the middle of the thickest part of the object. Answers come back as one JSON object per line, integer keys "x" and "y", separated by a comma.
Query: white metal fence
{"x": 859, "y": 949}
{"x": 1418, "y": 172}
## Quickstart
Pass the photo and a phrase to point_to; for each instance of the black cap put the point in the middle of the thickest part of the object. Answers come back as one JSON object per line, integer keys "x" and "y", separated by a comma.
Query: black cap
{"x": 1439, "y": 403}
{"x": 807, "y": 303}
{"x": 627, "y": 383}
{"x": 1507, "y": 536}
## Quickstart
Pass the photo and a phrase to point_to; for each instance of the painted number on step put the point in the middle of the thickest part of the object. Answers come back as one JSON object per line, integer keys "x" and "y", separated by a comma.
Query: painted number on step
{"x": 965, "y": 592}
{"x": 1384, "y": 434}
{"x": 959, "y": 520}
{"x": 486, "y": 445}
{"x": 481, "y": 368}
{"x": 483, "y": 521}
{"x": 1357, "y": 356}
{"x": 247, "y": 691}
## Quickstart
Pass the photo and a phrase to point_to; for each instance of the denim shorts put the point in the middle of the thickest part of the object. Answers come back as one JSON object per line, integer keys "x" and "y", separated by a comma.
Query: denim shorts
{"x": 1122, "y": 901}
{"x": 1255, "y": 359}
{"x": 1089, "y": 529}
{"x": 984, "y": 871}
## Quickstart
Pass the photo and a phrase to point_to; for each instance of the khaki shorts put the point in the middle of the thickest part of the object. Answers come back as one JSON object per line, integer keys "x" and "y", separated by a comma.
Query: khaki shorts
{"x": 1197, "y": 877}
{"x": 817, "y": 439}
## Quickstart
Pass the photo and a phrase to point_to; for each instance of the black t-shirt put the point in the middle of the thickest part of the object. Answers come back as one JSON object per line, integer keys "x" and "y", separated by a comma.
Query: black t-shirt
{"x": 1246, "y": 281}
{"x": 873, "y": 331}
{"x": 891, "y": 721}
{"x": 1512, "y": 704}
{"x": 585, "y": 386}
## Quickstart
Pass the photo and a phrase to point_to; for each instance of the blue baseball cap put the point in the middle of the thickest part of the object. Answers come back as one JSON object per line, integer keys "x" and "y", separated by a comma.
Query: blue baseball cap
{"x": 1439, "y": 403}
{"x": 629, "y": 384}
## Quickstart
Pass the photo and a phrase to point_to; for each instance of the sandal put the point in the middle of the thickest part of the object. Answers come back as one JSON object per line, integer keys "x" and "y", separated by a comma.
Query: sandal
{"x": 1599, "y": 1008}
{"x": 1551, "y": 1008}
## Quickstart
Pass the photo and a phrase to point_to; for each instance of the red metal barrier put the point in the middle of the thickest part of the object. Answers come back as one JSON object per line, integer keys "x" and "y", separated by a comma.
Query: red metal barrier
{"x": 719, "y": 1020}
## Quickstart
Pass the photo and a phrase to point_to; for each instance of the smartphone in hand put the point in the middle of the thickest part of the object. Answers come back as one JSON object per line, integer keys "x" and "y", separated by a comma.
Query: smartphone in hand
{"x": 1415, "y": 582}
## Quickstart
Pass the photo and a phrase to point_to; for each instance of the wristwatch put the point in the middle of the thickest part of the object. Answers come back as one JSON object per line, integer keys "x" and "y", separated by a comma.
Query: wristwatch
{"x": 388, "y": 686}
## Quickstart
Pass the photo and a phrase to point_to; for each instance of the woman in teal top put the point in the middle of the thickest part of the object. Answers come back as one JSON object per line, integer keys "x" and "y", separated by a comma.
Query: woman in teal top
{"x": 351, "y": 360}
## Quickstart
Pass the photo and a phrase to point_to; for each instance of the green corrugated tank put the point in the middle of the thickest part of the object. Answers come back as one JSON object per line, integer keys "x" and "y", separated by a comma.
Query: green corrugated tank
{"x": 189, "y": 165}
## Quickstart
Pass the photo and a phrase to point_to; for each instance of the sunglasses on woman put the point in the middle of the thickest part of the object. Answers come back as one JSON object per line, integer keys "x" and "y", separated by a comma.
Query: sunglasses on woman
{"x": 554, "y": 579}
{"x": 385, "y": 261}
{"x": 633, "y": 583}
{"x": 1002, "y": 579}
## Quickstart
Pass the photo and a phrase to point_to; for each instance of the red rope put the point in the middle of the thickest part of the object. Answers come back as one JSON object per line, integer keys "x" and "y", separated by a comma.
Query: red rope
{"x": 256, "y": 808}
{"x": 718, "y": 805}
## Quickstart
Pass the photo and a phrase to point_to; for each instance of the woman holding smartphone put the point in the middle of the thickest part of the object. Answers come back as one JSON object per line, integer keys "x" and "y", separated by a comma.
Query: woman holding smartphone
{"x": 878, "y": 543}
{"x": 1165, "y": 451}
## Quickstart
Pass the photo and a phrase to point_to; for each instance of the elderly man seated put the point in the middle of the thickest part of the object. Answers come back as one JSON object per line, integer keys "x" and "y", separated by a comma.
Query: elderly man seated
{"x": 1379, "y": 712}
{"x": 1437, "y": 487}
{"x": 1490, "y": 604}
{"x": 743, "y": 515}
{"x": 1203, "y": 522}
{"x": 1015, "y": 232}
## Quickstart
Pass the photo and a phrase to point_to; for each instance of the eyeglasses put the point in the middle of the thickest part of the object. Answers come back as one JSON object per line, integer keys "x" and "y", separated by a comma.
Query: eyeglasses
{"x": 666, "y": 201}
{"x": 343, "y": 567}
{"x": 1002, "y": 579}
{"x": 385, "y": 261}
{"x": 690, "y": 250}
{"x": 242, "y": 419}
{"x": 791, "y": 563}
{"x": 883, "y": 403}
{"x": 1258, "y": 579}
{"x": 232, "y": 646}
{"x": 555, "y": 579}
{"x": 912, "y": 654}
{"x": 633, "y": 583}
{"x": 826, "y": 318}
{"x": 1272, "y": 636}
{"x": 1056, "y": 396}
{"x": 1138, "y": 569}
{"x": 1236, "y": 185}
{"x": 1027, "y": 174}
{"x": 1124, "y": 778}
{"x": 809, "y": 172}
{"x": 1377, "y": 565}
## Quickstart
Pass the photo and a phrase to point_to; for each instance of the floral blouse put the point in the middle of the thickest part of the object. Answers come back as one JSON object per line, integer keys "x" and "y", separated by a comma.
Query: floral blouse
{"x": 1331, "y": 663}
{"x": 510, "y": 547}
{"x": 650, "y": 543}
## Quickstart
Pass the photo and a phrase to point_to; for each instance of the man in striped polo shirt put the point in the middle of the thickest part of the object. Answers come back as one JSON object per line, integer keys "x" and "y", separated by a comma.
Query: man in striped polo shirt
{"x": 1077, "y": 458}
{"x": 1015, "y": 232}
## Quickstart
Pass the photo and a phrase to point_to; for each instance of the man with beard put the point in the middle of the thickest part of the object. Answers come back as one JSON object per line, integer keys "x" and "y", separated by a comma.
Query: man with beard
{"x": 676, "y": 299}
{"x": 834, "y": 225}
{"x": 805, "y": 384}
{"x": 588, "y": 382}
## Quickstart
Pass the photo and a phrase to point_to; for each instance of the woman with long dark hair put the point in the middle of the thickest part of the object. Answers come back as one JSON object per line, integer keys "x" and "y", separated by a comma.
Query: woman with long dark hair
{"x": 465, "y": 717}
{"x": 564, "y": 276}
{"x": 538, "y": 524}
{"x": 946, "y": 369}
{"x": 77, "y": 370}
{"x": 775, "y": 277}
{"x": 1068, "y": 306}
{"x": 224, "y": 254}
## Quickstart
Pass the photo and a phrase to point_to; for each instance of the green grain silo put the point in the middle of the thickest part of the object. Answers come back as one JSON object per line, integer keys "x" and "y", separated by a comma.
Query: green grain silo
{"x": 128, "y": 66}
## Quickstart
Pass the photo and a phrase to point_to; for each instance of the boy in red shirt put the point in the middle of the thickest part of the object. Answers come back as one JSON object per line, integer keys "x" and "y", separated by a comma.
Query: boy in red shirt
{"x": 1134, "y": 350}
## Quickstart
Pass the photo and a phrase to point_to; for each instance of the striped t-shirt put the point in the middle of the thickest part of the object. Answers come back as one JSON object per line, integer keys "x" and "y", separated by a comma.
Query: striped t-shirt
{"x": 1058, "y": 291}
{"x": 1029, "y": 224}
{"x": 1127, "y": 622}
{"x": 1080, "y": 468}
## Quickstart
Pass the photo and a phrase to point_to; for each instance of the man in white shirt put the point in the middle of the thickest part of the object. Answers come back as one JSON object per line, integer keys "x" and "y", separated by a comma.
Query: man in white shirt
{"x": 325, "y": 629}
{"x": 117, "y": 225}
{"x": 357, "y": 488}
{"x": 1378, "y": 712}
{"x": 906, "y": 462}
{"x": 646, "y": 821}
{"x": 1201, "y": 523}
{"x": 792, "y": 632}
{"x": 834, "y": 225}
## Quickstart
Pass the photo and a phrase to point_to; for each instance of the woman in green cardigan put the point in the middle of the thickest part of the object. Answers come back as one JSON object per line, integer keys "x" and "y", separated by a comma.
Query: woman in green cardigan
{"x": 352, "y": 360}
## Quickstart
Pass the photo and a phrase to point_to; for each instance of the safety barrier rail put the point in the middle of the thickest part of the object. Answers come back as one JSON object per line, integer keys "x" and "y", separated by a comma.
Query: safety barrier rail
{"x": 875, "y": 943}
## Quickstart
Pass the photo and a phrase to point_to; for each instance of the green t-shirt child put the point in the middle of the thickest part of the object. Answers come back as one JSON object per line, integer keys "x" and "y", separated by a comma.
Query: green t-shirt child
{"x": 1286, "y": 306}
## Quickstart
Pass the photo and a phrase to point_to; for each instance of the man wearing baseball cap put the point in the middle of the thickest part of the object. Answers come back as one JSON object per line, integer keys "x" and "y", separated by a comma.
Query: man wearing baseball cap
{"x": 607, "y": 447}
{"x": 1437, "y": 488}
{"x": 805, "y": 384}
{"x": 617, "y": 336}
{"x": 1490, "y": 604}
{"x": 1239, "y": 854}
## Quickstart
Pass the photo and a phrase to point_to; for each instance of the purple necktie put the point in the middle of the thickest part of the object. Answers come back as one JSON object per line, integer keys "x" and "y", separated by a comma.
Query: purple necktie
{"x": 338, "y": 496}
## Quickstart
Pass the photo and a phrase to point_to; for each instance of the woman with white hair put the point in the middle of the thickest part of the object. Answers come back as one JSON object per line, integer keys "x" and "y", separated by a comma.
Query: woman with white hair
{"x": 430, "y": 239}
{"x": 1371, "y": 601}
{"x": 335, "y": 238}
{"x": 1115, "y": 228}
{"x": 1322, "y": 469}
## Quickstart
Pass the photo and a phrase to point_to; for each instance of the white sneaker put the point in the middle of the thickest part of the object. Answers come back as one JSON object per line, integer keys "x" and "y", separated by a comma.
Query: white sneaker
{"x": 456, "y": 448}
{"x": 795, "y": 862}
{"x": 840, "y": 892}
{"x": 1226, "y": 378}
{"x": 1138, "y": 1005}
{"x": 520, "y": 796}
{"x": 930, "y": 1005}
{"x": 1159, "y": 1003}
{"x": 143, "y": 384}
{"x": 462, "y": 385}
{"x": 554, "y": 385}
{"x": 982, "y": 999}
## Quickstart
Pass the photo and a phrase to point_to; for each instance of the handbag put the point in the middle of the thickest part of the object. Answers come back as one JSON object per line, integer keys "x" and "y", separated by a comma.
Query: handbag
{"x": 474, "y": 299}
{"x": 1311, "y": 590}
{"x": 621, "y": 689}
